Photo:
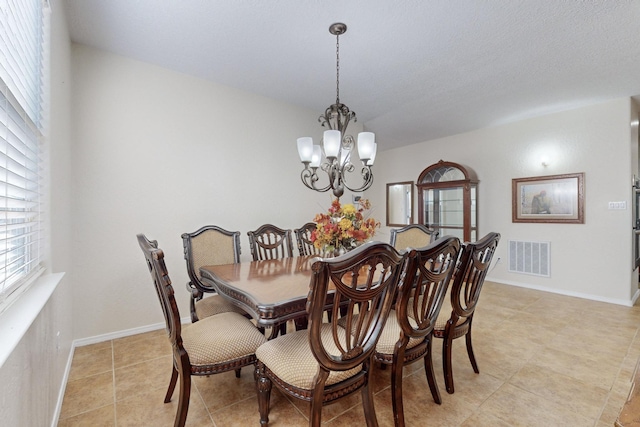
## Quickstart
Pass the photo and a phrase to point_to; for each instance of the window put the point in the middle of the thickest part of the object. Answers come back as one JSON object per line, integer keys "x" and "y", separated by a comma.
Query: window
{"x": 22, "y": 54}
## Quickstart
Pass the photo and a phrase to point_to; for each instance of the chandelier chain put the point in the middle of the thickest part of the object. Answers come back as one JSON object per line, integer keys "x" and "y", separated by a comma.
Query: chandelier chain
{"x": 337, "y": 69}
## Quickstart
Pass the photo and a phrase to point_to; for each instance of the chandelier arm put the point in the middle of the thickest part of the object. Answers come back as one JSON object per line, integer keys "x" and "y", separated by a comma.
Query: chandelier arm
{"x": 309, "y": 179}
{"x": 367, "y": 177}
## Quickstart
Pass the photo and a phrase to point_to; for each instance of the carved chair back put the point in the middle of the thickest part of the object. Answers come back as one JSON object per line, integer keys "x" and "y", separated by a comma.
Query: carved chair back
{"x": 473, "y": 267}
{"x": 164, "y": 289}
{"x": 270, "y": 242}
{"x": 365, "y": 282}
{"x": 303, "y": 238}
{"x": 429, "y": 272}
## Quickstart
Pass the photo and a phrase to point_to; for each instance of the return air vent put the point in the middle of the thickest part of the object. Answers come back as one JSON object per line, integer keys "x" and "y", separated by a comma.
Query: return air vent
{"x": 529, "y": 258}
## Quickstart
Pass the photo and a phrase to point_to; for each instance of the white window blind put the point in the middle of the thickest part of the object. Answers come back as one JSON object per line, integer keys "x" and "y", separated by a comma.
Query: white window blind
{"x": 21, "y": 92}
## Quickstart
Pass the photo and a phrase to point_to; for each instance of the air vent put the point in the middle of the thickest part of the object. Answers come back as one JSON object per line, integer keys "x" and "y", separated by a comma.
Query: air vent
{"x": 529, "y": 258}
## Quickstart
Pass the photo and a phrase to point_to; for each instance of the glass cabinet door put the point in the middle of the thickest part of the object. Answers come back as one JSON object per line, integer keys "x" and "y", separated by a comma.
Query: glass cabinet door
{"x": 447, "y": 198}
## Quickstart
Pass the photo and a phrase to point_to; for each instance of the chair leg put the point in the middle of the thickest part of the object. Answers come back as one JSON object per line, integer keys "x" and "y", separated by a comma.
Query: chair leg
{"x": 183, "y": 401}
{"x": 317, "y": 398}
{"x": 172, "y": 385}
{"x": 396, "y": 388}
{"x": 263, "y": 388}
{"x": 446, "y": 364}
{"x": 238, "y": 372}
{"x": 431, "y": 376}
{"x": 472, "y": 357}
{"x": 367, "y": 399}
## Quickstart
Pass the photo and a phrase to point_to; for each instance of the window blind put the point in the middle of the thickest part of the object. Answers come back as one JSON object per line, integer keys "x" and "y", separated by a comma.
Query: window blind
{"x": 21, "y": 134}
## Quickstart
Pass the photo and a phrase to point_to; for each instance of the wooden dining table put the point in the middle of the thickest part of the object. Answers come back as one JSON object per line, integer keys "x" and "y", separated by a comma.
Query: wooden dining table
{"x": 272, "y": 291}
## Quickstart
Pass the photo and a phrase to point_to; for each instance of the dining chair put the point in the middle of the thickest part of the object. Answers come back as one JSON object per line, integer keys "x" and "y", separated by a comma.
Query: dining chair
{"x": 209, "y": 245}
{"x": 270, "y": 242}
{"x": 219, "y": 343}
{"x": 327, "y": 362}
{"x": 456, "y": 316}
{"x": 406, "y": 337}
{"x": 412, "y": 236}
{"x": 303, "y": 238}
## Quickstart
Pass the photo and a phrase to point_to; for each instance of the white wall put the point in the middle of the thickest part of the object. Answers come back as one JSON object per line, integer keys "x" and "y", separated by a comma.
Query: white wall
{"x": 163, "y": 153}
{"x": 590, "y": 260}
{"x": 34, "y": 374}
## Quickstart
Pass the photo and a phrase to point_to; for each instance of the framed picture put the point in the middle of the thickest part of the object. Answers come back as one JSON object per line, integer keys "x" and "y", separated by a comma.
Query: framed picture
{"x": 552, "y": 198}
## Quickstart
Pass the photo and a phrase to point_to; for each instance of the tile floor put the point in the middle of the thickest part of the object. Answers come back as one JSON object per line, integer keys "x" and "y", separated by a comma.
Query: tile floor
{"x": 544, "y": 359}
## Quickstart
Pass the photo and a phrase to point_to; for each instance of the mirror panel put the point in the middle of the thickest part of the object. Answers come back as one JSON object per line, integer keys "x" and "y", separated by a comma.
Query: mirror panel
{"x": 400, "y": 203}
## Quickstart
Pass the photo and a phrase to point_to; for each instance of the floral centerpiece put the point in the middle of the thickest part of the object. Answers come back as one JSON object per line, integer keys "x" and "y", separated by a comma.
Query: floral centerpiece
{"x": 343, "y": 228}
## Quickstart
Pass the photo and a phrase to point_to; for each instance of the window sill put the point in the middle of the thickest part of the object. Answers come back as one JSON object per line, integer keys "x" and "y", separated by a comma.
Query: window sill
{"x": 17, "y": 318}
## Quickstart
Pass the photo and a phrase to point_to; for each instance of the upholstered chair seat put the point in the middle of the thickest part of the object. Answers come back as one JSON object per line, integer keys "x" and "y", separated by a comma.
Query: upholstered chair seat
{"x": 290, "y": 358}
{"x": 221, "y": 338}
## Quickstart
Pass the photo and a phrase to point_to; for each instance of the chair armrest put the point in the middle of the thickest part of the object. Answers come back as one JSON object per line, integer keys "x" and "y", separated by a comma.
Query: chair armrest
{"x": 196, "y": 295}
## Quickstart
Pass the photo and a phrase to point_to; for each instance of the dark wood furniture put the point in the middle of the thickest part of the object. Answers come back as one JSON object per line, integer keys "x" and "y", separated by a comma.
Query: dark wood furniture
{"x": 465, "y": 292}
{"x": 272, "y": 291}
{"x": 412, "y": 236}
{"x": 209, "y": 245}
{"x": 219, "y": 343}
{"x": 327, "y": 361}
{"x": 270, "y": 242}
{"x": 407, "y": 333}
{"x": 303, "y": 239}
{"x": 447, "y": 200}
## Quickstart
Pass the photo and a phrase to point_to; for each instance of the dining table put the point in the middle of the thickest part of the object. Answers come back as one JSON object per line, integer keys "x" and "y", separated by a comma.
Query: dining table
{"x": 271, "y": 291}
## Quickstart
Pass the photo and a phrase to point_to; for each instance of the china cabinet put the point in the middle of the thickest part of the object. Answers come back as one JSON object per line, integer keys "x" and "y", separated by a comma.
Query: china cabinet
{"x": 447, "y": 199}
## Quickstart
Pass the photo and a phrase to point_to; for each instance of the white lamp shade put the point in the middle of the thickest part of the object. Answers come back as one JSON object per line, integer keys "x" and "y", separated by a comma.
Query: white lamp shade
{"x": 332, "y": 143}
{"x": 366, "y": 144}
{"x": 316, "y": 158}
{"x": 305, "y": 149}
{"x": 373, "y": 155}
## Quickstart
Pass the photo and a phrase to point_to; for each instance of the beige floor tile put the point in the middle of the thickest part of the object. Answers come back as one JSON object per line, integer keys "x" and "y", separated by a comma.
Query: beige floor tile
{"x": 484, "y": 419}
{"x": 599, "y": 373}
{"x": 86, "y": 394}
{"x": 245, "y": 413}
{"x": 147, "y": 408}
{"x": 90, "y": 362}
{"x": 127, "y": 351}
{"x": 574, "y": 394}
{"x": 221, "y": 390}
{"x": 522, "y": 408}
{"x": 101, "y": 417}
{"x": 150, "y": 375}
{"x": 92, "y": 347}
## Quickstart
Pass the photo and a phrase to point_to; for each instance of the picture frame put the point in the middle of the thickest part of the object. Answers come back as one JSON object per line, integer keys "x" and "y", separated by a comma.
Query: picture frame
{"x": 549, "y": 199}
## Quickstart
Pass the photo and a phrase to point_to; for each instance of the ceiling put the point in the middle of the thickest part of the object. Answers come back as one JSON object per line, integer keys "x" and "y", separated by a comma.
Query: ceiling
{"x": 412, "y": 70}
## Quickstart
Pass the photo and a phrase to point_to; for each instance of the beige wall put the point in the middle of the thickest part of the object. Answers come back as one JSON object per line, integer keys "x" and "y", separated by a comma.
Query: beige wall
{"x": 591, "y": 260}
{"x": 162, "y": 153}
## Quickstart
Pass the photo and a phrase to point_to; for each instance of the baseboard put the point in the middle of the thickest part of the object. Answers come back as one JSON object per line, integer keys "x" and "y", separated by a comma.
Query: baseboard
{"x": 628, "y": 303}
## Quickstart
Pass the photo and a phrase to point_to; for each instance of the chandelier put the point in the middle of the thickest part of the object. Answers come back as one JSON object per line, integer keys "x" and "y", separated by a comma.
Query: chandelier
{"x": 334, "y": 157}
